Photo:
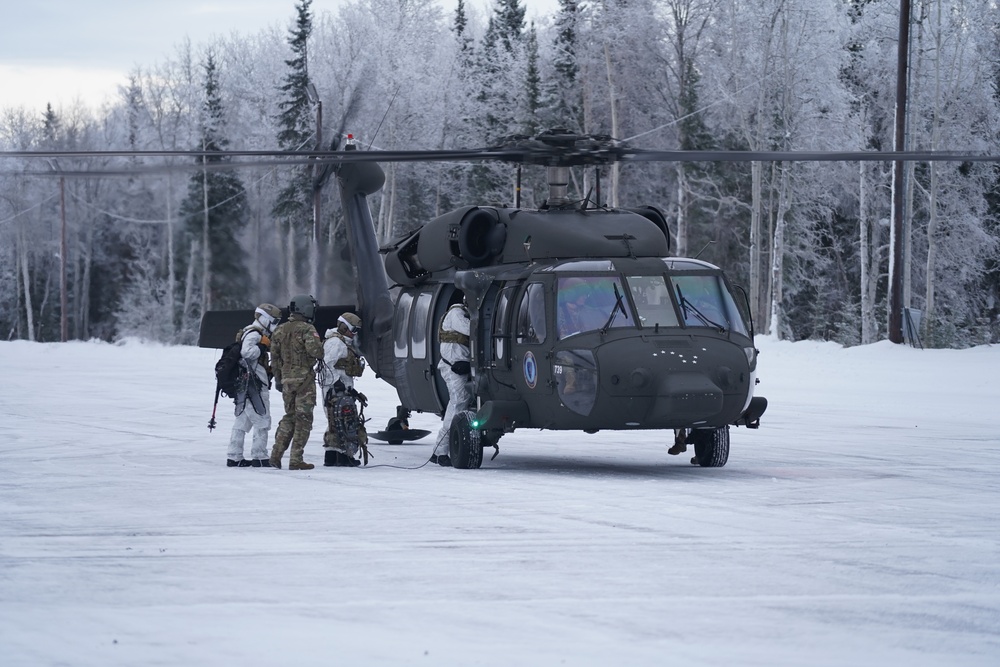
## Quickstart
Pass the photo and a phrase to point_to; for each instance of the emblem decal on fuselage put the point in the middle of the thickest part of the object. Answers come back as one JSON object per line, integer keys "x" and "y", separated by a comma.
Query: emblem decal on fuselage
{"x": 530, "y": 370}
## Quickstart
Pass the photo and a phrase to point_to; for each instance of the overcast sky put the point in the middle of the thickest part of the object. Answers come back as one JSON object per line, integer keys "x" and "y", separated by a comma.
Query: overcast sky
{"x": 61, "y": 50}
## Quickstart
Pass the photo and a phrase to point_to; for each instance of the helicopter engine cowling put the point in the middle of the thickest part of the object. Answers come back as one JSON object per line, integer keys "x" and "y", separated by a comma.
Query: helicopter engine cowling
{"x": 655, "y": 216}
{"x": 468, "y": 237}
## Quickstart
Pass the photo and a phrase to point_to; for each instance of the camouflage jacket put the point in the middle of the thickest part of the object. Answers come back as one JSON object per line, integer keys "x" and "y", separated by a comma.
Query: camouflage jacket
{"x": 295, "y": 349}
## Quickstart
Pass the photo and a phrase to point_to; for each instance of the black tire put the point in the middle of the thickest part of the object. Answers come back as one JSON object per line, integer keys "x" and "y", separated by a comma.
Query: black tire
{"x": 466, "y": 448}
{"x": 711, "y": 446}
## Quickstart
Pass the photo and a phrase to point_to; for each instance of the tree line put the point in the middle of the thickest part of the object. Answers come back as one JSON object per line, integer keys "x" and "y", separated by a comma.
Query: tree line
{"x": 149, "y": 251}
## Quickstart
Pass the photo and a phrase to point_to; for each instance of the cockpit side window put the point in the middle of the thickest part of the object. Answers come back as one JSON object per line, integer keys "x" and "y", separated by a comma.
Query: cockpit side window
{"x": 531, "y": 315}
{"x": 588, "y": 303}
{"x": 652, "y": 301}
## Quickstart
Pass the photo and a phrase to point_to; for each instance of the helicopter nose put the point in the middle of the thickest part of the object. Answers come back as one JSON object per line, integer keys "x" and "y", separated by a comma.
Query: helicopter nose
{"x": 686, "y": 396}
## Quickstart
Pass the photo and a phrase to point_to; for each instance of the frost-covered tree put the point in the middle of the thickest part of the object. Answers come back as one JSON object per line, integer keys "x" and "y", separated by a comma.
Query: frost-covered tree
{"x": 293, "y": 208}
{"x": 215, "y": 218}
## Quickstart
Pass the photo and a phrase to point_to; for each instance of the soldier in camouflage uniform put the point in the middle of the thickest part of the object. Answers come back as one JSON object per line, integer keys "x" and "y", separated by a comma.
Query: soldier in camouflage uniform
{"x": 343, "y": 363}
{"x": 295, "y": 349}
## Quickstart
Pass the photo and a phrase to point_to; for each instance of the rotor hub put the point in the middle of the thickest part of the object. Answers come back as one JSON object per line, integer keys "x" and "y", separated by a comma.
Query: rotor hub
{"x": 558, "y": 147}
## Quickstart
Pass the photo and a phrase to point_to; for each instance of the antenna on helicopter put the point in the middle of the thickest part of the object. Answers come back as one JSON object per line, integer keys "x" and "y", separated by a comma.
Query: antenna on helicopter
{"x": 703, "y": 249}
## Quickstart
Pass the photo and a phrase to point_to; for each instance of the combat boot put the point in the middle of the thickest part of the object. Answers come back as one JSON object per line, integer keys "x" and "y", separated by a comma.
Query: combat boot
{"x": 300, "y": 465}
{"x": 275, "y": 460}
{"x": 680, "y": 443}
{"x": 261, "y": 463}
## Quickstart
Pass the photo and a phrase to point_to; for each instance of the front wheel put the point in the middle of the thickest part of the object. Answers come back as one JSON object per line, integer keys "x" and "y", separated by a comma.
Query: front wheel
{"x": 466, "y": 446}
{"x": 711, "y": 446}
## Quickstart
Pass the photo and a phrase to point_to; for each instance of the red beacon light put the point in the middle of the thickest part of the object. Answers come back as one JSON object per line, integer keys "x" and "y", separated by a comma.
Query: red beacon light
{"x": 351, "y": 144}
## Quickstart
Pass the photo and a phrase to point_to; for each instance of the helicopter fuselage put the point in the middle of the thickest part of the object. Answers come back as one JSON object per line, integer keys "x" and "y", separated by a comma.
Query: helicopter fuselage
{"x": 585, "y": 345}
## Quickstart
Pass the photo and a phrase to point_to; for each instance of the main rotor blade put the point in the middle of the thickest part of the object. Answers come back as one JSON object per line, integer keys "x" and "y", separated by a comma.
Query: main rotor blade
{"x": 638, "y": 155}
{"x": 304, "y": 156}
{"x": 530, "y": 152}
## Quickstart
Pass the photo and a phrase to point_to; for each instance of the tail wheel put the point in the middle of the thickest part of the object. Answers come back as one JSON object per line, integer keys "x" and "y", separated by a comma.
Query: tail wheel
{"x": 711, "y": 446}
{"x": 466, "y": 445}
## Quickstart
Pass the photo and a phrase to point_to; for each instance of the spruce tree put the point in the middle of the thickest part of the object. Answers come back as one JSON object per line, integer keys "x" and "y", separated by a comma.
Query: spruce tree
{"x": 293, "y": 207}
{"x": 533, "y": 86}
{"x": 564, "y": 94}
{"x": 500, "y": 73}
{"x": 215, "y": 214}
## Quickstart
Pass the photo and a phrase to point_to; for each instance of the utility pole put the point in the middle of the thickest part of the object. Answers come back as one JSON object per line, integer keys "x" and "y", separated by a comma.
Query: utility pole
{"x": 64, "y": 319}
{"x": 317, "y": 191}
{"x": 898, "y": 174}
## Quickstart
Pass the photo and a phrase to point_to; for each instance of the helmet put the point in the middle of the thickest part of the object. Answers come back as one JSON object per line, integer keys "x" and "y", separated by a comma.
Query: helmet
{"x": 268, "y": 315}
{"x": 304, "y": 305}
{"x": 349, "y": 324}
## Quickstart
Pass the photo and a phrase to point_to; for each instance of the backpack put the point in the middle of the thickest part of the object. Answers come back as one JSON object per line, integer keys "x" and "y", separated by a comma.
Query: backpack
{"x": 231, "y": 374}
{"x": 346, "y": 420}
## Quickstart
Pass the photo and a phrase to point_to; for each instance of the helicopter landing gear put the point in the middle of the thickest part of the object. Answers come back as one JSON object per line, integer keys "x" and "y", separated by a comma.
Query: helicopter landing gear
{"x": 711, "y": 446}
{"x": 466, "y": 445}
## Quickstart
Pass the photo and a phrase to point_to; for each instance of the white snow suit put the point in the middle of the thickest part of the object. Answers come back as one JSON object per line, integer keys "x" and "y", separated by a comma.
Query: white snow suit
{"x": 456, "y": 321}
{"x": 340, "y": 358}
{"x": 253, "y": 407}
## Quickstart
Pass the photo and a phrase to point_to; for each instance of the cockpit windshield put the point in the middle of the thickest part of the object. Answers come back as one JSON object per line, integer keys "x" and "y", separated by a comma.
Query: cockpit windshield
{"x": 602, "y": 302}
{"x": 705, "y": 302}
{"x": 652, "y": 300}
{"x": 589, "y": 303}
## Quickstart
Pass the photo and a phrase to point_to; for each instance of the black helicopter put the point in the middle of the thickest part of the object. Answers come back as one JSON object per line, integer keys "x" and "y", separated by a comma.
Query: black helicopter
{"x": 657, "y": 342}
{"x": 669, "y": 344}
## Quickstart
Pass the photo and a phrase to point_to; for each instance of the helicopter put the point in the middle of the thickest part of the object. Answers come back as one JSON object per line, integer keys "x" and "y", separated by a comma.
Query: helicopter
{"x": 658, "y": 342}
{"x": 669, "y": 341}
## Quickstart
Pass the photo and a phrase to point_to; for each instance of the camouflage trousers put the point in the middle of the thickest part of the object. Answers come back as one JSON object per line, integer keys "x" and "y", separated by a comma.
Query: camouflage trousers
{"x": 295, "y": 427}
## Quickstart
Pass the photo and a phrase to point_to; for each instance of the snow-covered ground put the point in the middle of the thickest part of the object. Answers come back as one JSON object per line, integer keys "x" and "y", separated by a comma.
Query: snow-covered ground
{"x": 860, "y": 525}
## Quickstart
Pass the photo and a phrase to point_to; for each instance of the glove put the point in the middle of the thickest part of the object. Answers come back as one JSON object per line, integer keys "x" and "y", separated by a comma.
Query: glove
{"x": 265, "y": 341}
{"x": 361, "y": 398}
{"x": 277, "y": 384}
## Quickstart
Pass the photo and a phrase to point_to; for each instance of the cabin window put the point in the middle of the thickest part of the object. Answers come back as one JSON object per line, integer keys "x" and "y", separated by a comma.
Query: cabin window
{"x": 652, "y": 301}
{"x": 418, "y": 326}
{"x": 400, "y": 335}
{"x": 500, "y": 325}
{"x": 588, "y": 303}
{"x": 531, "y": 315}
